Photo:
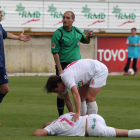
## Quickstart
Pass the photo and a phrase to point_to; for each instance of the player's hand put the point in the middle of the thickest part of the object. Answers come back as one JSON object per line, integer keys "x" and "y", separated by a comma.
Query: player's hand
{"x": 75, "y": 117}
{"x": 23, "y": 37}
{"x": 90, "y": 33}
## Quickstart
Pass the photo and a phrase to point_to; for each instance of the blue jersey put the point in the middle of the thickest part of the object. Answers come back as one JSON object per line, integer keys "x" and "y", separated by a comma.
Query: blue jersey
{"x": 133, "y": 51}
{"x": 3, "y": 35}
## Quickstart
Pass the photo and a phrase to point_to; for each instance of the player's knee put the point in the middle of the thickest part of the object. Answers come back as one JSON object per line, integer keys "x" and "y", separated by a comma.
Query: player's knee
{"x": 82, "y": 99}
{"x": 5, "y": 90}
{"x": 90, "y": 98}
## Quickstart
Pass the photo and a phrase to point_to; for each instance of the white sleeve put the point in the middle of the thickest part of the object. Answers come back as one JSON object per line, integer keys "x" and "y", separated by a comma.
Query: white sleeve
{"x": 50, "y": 131}
{"x": 139, "y": 41}
{"x": 68, "y": 81}
{"x": 53, "y": 128}
{"x": 127, "y": 42}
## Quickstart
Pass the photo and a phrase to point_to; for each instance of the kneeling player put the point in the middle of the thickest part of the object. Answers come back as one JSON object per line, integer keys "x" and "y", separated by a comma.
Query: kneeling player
{"x": 85, "y": 79}
{"x": 92, "y": 125}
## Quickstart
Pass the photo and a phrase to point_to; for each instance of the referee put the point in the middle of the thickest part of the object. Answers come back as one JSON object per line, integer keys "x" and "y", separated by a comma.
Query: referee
{"x": 65, "y": 48}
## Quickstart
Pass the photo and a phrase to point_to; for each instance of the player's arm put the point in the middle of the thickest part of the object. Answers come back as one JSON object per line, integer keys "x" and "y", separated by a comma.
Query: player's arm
{"x": 21, "y": 37}
{"x": 68, "y": 102}
{"x": 77, "y": 102}
{"x": 40, "y": 132}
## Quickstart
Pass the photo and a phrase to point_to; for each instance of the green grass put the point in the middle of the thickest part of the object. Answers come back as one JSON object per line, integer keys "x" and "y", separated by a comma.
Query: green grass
{"x": 27, "y": 107}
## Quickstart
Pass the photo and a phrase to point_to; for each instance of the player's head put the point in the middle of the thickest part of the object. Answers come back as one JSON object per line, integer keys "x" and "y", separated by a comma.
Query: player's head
{"x": 54, "y": 84}
{"x": 0, "y": 14}
{"x": 46, "y": 124}
{"x": 68, "y": 18}
{"x": 133, "y": 31}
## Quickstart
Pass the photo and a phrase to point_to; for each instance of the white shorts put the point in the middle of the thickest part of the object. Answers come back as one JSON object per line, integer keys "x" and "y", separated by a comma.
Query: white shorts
{"x": 96, "y": 127}
{"x": 99, "y": 79}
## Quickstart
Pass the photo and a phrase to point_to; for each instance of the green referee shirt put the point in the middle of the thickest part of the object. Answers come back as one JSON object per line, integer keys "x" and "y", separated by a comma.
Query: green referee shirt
{"x": 66, "y": 44}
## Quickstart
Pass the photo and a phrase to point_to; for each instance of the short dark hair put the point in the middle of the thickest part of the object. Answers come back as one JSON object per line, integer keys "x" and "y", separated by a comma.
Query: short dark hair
{"x": 72, "y": 14}
{"x": 52, "y": 83}
{"x": 134, "y": 29}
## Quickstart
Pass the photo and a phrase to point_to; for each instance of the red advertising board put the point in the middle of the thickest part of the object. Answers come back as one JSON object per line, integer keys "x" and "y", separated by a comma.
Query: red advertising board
{"x": 112, "y": 51}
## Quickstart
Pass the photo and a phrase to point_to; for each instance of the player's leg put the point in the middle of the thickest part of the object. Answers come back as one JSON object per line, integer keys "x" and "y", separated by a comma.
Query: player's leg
{"x": 4, "y": 88}
{"x": 134, "y": 65}
{"x": 91, "y": 99}
{"x": 96, "y": 83}
{"x": 127, "y": 66}
{"x": 96, "y": 127}
{"x": 121, "y": 132}
{"x": 128, "y": 133}
{"x": 83, "y": 93}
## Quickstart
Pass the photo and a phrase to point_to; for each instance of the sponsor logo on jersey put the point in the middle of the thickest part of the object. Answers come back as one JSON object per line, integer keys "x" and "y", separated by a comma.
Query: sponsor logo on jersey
{"x": 53, "y": 45}
{"x": 5, "y": 77}
{"x": 78, "y": 43}
{"x": 92, "y": 82}
{"x": 80, "y": 83}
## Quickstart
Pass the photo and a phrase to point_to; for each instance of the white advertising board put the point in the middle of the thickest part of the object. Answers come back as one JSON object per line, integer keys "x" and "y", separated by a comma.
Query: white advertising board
{"x": 88, "y": 15}
{"x": 22, "y": 13}
{"x": 122, "y": 15}
{"x": 47, "y": 16}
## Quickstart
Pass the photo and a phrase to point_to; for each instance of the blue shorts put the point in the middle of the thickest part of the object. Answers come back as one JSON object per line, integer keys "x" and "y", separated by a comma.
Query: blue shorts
{"x": 3, "y": 76}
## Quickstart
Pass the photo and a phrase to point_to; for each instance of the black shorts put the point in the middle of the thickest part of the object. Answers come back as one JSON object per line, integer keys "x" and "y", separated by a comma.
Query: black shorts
{"x": 63, "y": 65}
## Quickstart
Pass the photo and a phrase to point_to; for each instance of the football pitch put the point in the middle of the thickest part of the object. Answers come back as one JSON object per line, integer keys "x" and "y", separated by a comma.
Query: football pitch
{"x": 27, "y": 107}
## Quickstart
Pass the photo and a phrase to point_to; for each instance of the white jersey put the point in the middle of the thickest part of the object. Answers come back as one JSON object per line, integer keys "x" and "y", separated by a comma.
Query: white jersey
{"x": 84, "y": 71}
{"x": 64, "y": 126}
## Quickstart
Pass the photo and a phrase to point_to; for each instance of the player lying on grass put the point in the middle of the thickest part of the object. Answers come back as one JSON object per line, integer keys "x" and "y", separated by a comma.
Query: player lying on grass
{"x": 85, "y": 79}
{"x": 92, "y": 125}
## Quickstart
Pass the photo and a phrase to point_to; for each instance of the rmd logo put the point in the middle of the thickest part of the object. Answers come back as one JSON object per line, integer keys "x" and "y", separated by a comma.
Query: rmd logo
{"x": 3, "y": 13}
{"x": 89, "y": 15}
{"x": 28, "y": 14}
{"x": 121, "y": 16}
{"x": 54, "y": 13}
